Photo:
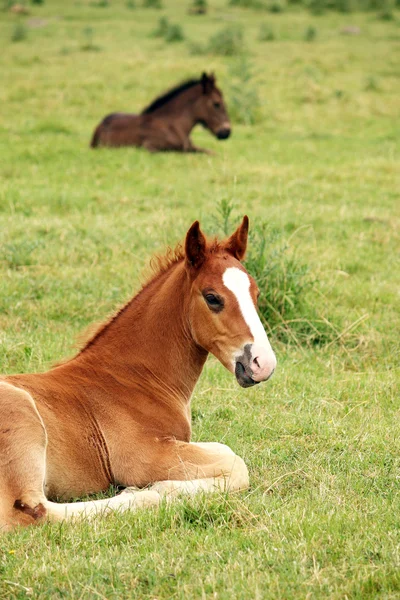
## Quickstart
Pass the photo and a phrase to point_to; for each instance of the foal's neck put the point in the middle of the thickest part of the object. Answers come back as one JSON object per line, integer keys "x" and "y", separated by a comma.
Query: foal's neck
{"x": 181, "y": 107}
{"x": 149, "y": 343}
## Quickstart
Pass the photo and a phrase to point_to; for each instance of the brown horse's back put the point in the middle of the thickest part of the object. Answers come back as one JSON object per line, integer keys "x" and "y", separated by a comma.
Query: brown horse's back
{"x": 118, "y": 129}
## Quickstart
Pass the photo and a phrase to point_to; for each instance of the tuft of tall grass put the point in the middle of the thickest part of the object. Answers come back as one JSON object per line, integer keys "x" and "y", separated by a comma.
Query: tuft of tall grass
{"x": 174, "y": 33}
{"x": 152, "y": 4}
{"x": 88, "y": 44}
{"x": 198, "y": 7}
{"x": 162, "y": 28}
{"x": 171, "y": 32}
{"x": 310, "y": 34}
{"x": 266, "y": 33}
{"x": 257, "y": 4}
{"x": 317, "y": 7}
{"x": 20, "y": 32}
{"x": 244, "y": 101}
{"x": 227, "y": 42}
{"x": 277, "y": 6}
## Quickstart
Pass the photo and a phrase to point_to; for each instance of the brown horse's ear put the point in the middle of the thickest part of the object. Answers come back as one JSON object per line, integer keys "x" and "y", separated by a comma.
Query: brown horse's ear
{"x": 207, "y": 82}
{"x": 237, "y": 243}
{"x": 195, "y": 247}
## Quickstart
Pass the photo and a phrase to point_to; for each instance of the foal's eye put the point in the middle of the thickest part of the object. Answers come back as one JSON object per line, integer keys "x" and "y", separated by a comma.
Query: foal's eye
{"x": 217, "y": 104}
{"x": 214, "y": 302}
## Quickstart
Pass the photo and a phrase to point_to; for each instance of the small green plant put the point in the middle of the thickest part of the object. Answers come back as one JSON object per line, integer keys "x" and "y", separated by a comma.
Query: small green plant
{"x": 244, "y": 102}
{"x": 317, "y": 7}
{"x": 18, "y": 255}
{"x": 174, "y": 33}
{"x": 248, "y": 3}
{"x": 371, "y": 84}
{"x": 88, "y": 43}
{"x": 131, "y": 4}
{"x": 227, "y": 42}
{"x": 20, "y": 32}
{"x": 152, "y": 4}
{"x": 266, "y": 33}
{"x": 310, "y": 34}
{"x": 198, "y": 7}
{"x": 101, "y": 3}
{"x": 171, "y": 32}
{"x": 162, "y": 28}
{"x": 386, "y": 10}
{"x": 277, "y": 6}
{"x": 346, "y": 6}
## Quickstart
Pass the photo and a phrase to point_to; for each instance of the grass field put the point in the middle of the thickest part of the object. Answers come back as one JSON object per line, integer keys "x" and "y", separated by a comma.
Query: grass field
{"x": 321, "y": 165}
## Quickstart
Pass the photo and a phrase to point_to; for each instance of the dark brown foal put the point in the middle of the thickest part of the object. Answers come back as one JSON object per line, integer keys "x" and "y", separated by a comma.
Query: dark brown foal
{"x": 167, "y": 122}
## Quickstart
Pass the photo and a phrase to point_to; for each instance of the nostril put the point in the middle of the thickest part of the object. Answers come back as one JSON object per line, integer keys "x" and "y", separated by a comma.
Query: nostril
{"x": 255, "y": 360}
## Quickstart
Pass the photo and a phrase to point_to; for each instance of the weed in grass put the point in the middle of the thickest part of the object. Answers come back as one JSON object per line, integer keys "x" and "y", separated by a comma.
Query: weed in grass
{"x": 174, "y": 33}
{"x": 18, "y": 255}
{"x": 244, "y": 102}
{"x": 101, "y": 3}
{"x": 266, "y": 33}
{"x": 255, "y": 4}
{"x": 345, "y": 6}
{"x": 371, "y": 84}
{"x": 198, "y": 7}
{"x": 171, "y": 32}
{"x": 386, "y": 10}
{"x": 88, "y": 44}
{"x": 131, "y": 4}
{"x": 20, "y": 32}
{"x": 152, "y": 4}
{"x": 317, "y": 7}
{"x": 162, "y": 27}
{"x": 310, "y": 34}
{"x": 37, "y": 1}
{"x": 277, "y": 6}
{"x": 227, "y": 41}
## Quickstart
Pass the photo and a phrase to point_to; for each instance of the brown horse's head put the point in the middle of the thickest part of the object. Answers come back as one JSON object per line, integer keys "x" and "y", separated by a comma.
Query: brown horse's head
{"x": 222, "y": 306}
{"x": 210, "y": 108}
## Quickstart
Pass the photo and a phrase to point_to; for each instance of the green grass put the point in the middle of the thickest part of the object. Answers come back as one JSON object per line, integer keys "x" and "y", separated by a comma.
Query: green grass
{"x": 77, "y": 228}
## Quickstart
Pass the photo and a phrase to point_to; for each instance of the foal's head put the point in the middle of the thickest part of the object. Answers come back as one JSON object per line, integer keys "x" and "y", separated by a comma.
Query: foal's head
{"x": 222, "y": 305}
{"x": 210, "y": 108}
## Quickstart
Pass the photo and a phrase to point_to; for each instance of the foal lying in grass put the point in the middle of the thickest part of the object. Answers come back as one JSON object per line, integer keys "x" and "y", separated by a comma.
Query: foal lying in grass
{"x": 167, "y": 122}
{"x": 119, "y": 411}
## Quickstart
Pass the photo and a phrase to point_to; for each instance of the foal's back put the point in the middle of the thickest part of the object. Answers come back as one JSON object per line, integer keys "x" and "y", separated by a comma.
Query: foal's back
{"x": 118, "y": 129}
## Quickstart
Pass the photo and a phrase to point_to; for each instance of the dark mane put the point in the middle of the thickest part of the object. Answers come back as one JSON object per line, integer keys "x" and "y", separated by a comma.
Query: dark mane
{"x": 161, "y": 100}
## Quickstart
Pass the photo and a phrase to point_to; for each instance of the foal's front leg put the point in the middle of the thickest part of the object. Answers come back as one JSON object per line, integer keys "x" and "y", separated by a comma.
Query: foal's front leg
{"x": 190, "y": 147}
{"x": 188, "y": 468}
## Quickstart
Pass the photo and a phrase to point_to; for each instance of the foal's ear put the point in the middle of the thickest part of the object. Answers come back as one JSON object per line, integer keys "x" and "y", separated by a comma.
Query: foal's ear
{"x": 195, "y": 247}
{"x": 207, "y": 82}
{"x": 237, "y": 243}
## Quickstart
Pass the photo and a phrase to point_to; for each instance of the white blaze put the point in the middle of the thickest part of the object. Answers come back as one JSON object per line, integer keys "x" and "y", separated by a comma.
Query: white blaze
{"x": 238, "y": 282}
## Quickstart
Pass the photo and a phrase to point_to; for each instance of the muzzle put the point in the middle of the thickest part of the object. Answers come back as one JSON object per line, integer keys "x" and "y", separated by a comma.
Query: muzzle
{"x": 256, "y": 364}
{"x": 223, "y": 134}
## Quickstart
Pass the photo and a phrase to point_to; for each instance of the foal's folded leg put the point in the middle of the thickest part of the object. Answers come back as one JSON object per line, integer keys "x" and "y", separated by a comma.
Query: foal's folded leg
{"x": 191, "y": 468}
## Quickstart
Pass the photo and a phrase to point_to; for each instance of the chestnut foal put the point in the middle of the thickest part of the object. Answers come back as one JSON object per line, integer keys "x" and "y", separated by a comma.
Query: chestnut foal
{"x": 119, "y": 411}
